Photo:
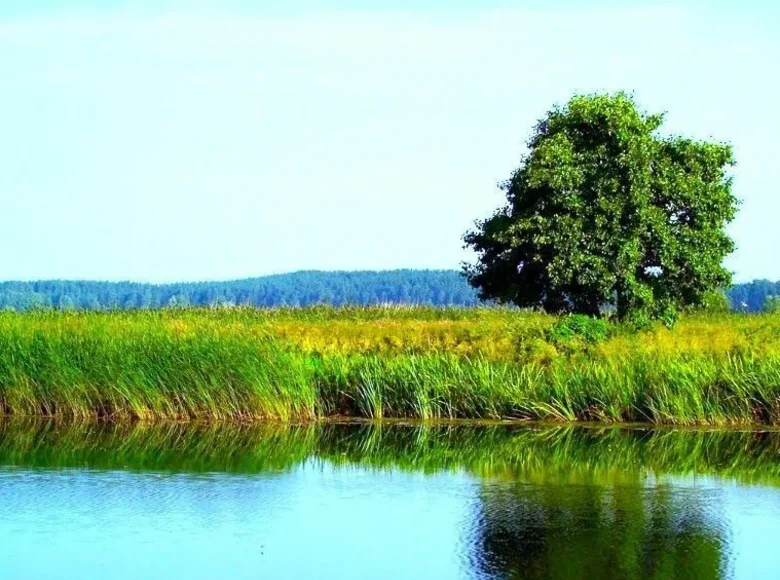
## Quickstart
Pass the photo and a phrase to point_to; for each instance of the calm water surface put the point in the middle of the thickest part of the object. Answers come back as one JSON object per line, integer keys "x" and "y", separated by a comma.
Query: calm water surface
{"x": 355, "y": 501}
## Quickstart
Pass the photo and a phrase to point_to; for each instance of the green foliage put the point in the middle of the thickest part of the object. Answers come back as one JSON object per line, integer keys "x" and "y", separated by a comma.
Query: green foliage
{"x": 715, "y": 302}
{"x": 603, "y": 210}
{"x": 578, "y": 326}
{"x": 772, "y": 304}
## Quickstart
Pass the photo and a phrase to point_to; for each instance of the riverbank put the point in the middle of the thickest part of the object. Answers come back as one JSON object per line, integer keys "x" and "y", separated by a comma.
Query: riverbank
{"x": 301, "y": 364}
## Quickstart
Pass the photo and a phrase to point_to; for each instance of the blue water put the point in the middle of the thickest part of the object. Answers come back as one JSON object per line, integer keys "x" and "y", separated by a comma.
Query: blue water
{"x": 311, "y": 523}
{"x": 377, "y": 515}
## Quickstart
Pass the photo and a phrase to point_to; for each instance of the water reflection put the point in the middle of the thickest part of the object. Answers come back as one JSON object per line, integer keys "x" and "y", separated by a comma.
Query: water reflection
{"x": 537, "y": 502}
{"x": 543, "y": 455}
{"x": 587, "y": 531}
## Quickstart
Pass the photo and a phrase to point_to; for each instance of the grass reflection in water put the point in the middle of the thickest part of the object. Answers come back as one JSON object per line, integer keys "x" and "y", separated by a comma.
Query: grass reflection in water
{"x": 540, "y": 453}
{"x": 550, "y": 502}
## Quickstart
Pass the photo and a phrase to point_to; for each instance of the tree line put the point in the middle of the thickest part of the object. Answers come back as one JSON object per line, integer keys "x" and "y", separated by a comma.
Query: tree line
{"x": 755, "y": 296}
{"x": 306, "y": 288}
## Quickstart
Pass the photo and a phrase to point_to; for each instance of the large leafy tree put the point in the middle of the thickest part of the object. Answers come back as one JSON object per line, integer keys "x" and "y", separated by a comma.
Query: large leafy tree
{"x": 604, "y": 210}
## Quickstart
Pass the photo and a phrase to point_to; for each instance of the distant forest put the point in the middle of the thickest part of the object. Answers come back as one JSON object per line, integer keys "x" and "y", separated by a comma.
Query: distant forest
{"x": 432, "y": 287}
{"x": 437, "y": 287}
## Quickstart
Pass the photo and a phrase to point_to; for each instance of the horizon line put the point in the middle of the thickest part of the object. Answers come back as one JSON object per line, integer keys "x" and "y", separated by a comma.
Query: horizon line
{"x": 270, "y": 275}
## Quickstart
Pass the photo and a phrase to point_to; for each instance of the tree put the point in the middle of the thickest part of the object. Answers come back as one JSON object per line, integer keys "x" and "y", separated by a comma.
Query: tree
{"x": 772, "y": 304}
{"x": 603, "y": 211}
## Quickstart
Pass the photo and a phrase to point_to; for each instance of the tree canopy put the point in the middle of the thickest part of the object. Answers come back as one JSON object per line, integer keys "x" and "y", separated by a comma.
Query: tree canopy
{"x": 604, "y": 211}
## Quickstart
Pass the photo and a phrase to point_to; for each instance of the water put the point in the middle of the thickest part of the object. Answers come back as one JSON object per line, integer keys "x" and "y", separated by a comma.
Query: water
{"x": 396, "y": 501}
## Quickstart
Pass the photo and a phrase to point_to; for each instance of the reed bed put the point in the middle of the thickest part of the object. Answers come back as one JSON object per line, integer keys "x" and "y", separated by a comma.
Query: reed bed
{"x": 428, "y": 363}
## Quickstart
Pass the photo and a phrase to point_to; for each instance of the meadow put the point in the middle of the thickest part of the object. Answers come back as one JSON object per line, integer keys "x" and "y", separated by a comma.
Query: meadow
{"x": 379, "y": 362}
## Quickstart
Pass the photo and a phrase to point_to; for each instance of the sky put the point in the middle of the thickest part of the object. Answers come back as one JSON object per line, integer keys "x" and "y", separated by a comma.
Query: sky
{"x": 171, "y": 141}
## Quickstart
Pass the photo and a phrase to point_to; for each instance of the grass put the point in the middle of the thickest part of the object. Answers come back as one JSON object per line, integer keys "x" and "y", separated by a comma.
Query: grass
{"x": 301, "y": 364}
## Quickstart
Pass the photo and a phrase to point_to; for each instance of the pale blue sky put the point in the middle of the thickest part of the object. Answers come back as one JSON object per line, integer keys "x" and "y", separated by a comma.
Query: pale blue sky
{"x": 210, "y": 140}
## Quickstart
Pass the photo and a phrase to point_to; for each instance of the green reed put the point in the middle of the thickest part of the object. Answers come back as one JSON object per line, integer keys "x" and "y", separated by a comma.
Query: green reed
{"x": 301, "y": 364}
{"x": 101, "y": 367}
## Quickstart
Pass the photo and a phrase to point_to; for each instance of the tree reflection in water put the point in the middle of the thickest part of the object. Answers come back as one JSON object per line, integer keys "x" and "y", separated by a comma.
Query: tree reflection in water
{"x": 590, "y": 531}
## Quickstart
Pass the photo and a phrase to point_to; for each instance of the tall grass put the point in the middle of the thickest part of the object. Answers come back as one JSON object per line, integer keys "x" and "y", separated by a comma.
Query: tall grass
{"x": 146, "y": 367}
{"x": 299, "y": 364}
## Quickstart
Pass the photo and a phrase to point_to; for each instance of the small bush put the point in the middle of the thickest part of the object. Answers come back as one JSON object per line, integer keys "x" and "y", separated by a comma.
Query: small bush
{"x": 716, "y": 302}
{"x": 578, "y": 327}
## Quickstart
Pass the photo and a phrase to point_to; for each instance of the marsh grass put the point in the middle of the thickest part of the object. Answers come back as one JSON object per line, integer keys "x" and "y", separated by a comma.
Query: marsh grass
{"x": 300, "y": 364}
